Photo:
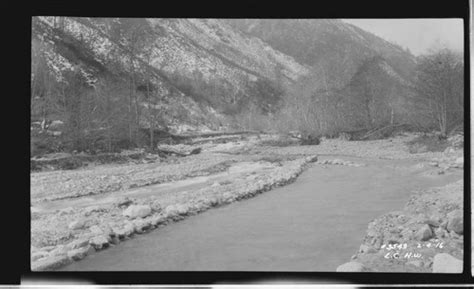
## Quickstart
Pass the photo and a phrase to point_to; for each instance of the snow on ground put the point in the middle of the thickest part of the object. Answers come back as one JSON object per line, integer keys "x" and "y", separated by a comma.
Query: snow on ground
{"x": 77, "y": 212}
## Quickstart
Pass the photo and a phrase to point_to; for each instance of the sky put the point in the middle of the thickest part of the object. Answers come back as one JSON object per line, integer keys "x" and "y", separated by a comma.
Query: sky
{"x": 418, "y": 35}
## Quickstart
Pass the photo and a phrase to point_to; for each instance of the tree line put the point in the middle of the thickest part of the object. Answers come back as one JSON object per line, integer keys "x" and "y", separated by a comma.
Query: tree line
{"x": 122, "y": 109}
{"x": 324, "y": 105}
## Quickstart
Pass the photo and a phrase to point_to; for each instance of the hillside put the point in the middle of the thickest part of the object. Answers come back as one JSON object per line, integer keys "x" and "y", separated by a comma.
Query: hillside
{"x": 115, "y": 81}
{"x": 326, "y": 42}
{"x": 199, "y": 69}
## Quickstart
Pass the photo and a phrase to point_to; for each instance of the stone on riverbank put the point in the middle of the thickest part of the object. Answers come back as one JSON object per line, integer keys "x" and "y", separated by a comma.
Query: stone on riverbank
{"x": 77, "y": 225}
{"x": 455, "y": 222}
{"x": 352, "y": 267}
{"x": 99, "y": 242}
{"x": 80, "y": 253}
{"x": 424, "y": 233}
{"x": 137, "y": 211}
{"x": 76, "y": 244}
{"x": 445, "y": 263}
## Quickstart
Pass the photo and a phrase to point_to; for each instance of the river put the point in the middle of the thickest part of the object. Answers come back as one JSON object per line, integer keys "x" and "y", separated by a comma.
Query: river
{"x": 313, "y": 224}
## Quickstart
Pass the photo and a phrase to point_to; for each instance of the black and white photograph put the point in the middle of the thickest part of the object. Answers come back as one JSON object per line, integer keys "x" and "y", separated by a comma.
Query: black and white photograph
{"x": 247, "y": 144}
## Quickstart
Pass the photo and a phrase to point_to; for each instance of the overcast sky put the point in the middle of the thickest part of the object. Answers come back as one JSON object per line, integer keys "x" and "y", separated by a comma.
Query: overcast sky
{"x": 418, "y": 35}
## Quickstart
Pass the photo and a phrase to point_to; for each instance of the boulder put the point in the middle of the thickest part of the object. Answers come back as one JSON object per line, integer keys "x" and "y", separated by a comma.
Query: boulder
{"x": 77, "y": 225}
{"x": 76, "y": 244}
{"x": 96, "y": 230}
{"x": 126, "y": 231}
{"x": 137, "y": 211}
{"x": 175, "y": 210}
{"x": 80, "y": 253}
{"x": 424, "y": 233}
{"x": 158, "y": 220}
{"x": 156, "y": 206}
{"x": 445, "y": 263}
{"x": 455, "y": 222}
{"x": 141, "y": 225}
{"x": 352, "y": 267}
{"x": 99, "y": 242}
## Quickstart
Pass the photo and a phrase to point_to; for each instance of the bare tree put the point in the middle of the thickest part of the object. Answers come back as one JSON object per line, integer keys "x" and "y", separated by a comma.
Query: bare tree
{"x": 439, "y": 88}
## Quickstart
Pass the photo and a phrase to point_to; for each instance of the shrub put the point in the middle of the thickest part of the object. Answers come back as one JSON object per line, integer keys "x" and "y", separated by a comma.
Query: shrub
{"x": 427, "y": 143}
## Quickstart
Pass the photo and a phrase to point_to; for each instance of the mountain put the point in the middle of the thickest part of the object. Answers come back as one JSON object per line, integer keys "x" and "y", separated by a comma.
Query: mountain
{"x": 206, "y": 73}
{"x": 366, "y": 78}
{"x": 330, "y": 44}
{"x": 200, "y": 70}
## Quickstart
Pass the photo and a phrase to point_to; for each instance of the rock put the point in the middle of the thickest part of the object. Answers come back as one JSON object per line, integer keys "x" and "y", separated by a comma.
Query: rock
{"x": 137, "y": 211}
{"x": 141, "y": 225}
{"x": 114, "y": 240}
{"x": 434, "y": 164}
{"x": 96, "y": 230}
{"x": 99, "y": 242}
{"x": 123, "y": 202}
{"x": 92, "y": 209}
{"x": 428, "y": 264}
{"x": 76, "y": 244}
{"x": 156, "y": 206}
{"x": 59, "y": 250}
{"x": 365, "y": 249}
{"x": 35, "y": 210}
{"x": 455, "y": 222}
{"x": 77, "y": 225}
{"x": 80, "y": 253}
{"x": 444, "y": 224}
{"x": 66, "y": 211}
{"x": 50, "y": 263}
{"x": 449, "y": 150}
{"x": 424, "y": 233}
{"x": 158, "y": 220}
{"x": 417, "y": 263}
{"x": 126, "y": 231}
{"x": 432, "y": 222}
{"x": 445, "y": 263}
{"x": 175, "y": 210}
{"x": 440, "y": 232}
{"x": 459, "y": 161}
{"x": 38, "y": 255}
{"x": 352, "y": 267}
{"x": 402, "y": 219}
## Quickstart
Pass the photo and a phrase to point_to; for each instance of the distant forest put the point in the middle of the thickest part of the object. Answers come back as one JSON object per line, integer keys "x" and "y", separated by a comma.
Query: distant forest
{"x": 127, "y": 104}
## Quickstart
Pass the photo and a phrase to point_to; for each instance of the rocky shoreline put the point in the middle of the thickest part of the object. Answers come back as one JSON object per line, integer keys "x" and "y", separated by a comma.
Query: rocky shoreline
{"x": 426, "y": 236}
{"x": 75, "y": 233}
{"x": 68, "y": 222}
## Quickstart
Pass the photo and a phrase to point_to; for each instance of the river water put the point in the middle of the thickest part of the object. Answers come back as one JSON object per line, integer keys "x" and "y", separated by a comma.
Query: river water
{"x": 314, "y": 224}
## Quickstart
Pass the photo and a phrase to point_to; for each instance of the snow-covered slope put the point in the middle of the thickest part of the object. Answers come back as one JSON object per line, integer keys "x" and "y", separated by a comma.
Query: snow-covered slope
{"x": 201, "y": 69}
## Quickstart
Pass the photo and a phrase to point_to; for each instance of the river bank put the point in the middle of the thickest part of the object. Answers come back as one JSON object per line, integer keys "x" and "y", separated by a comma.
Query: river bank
{"x": 73, "y": 215}
{"x": 425, "y": 236}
